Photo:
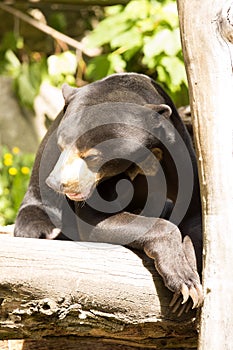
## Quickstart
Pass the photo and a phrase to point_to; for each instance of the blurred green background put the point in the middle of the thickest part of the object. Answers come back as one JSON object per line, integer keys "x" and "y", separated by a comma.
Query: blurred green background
{"x": 141, "y": 36}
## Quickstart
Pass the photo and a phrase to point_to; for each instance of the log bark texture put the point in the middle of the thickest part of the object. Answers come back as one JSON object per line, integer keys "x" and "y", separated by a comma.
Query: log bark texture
{"x": 95, "y": 294}
{"x": 206, "y": 32}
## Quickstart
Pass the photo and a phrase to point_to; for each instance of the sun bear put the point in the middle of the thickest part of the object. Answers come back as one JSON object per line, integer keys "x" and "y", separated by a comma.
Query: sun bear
{"x": 118, "y": 166}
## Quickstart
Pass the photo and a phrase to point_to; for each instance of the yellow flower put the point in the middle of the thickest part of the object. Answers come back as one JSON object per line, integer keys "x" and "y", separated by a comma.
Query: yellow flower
{"x": 12, "y": 171}
{"x": 7, "y": 161}
{"x": 15, "y": 150}
{"x": 8, "y": 155}
{"x": 25, "y": 170}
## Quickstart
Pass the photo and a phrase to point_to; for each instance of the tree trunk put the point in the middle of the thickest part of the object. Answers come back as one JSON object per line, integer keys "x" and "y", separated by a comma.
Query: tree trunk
{"x": 84, "y": 293}
{"x": 206, "y": 33}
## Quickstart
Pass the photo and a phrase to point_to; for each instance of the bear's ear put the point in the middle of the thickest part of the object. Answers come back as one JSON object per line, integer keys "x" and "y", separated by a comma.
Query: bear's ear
{"x": 162, "y": 109}
{"x": 148, "y": 167}
{"x": 67, "y": 92}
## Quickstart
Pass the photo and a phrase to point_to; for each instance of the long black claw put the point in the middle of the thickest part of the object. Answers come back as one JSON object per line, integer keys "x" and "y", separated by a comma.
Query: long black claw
{"x": 174, "y": 299}
{"x": 182, "y": 309}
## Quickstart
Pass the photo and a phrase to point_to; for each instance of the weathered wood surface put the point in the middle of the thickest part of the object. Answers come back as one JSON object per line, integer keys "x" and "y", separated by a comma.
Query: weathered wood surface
{"x": 207, "y": 32}
{"x": 70, "y": 343}
{"x": 95, "y": 293}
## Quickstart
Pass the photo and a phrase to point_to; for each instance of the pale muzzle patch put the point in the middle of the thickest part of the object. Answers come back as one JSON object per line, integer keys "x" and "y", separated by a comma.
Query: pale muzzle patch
{"x": 72, "y": 176}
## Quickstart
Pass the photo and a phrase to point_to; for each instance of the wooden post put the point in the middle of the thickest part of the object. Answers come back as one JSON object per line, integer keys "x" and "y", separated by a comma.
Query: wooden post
{"x": 206, "y": 31}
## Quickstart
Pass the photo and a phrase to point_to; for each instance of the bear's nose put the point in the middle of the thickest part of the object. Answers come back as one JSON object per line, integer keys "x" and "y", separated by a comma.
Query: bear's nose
{"x": 69, "y": 187}
{"x": 63, "y": 187}
{"x": 53, "y": 183}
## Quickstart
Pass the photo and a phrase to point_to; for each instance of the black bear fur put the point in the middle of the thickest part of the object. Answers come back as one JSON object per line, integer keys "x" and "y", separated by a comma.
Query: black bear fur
{"x": 119, "y": 118}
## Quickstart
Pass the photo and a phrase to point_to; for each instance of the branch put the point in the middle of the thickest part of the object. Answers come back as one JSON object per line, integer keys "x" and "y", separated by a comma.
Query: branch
{"x": 96, "y": 292}
{"x": 48, "y": 30}
{"x": 81, "y": 2}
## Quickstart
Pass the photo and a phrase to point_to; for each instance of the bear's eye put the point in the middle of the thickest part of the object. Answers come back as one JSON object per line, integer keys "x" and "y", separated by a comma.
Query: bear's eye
{"x": 91, "y": 157}
{"x": 93, "y": 162}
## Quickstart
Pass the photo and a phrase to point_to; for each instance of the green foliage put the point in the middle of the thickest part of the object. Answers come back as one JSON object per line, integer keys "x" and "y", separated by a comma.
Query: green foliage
{"x": 27, "y": 74}
{"x": 15, "y": 169}
{"x": 9, "y": 62}
{"x": 142, "y": 36}
{"x": 29, "y": 70}
{"x": 58, "y": 21}
{"x": 62, "y": 68}
{"x": 28, "y": 81}
{"x": 103, "y": 65}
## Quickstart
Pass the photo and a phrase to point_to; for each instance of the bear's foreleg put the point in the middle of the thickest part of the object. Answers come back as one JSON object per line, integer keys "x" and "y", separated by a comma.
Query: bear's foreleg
{"x": 162, "y": 241}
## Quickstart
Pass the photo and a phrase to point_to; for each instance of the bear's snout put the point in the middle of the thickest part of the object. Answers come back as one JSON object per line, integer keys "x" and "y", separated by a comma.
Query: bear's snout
{"x": 72, "y": 177}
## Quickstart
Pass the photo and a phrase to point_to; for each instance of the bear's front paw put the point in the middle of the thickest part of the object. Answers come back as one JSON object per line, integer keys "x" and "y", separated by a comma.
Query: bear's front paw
{"x": 181, "y": 277}
{"x": 36, "y": 229}
{"x": 176, "y": 263}
{"x": 33, "y": 222}
{"x": 187, "y": 298}
{"x": 49, "y": 234}
{"x": 190, "y": 294}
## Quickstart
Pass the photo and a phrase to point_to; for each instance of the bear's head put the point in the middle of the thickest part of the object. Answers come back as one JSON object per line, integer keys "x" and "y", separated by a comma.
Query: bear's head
{"x": 102, "y": 140}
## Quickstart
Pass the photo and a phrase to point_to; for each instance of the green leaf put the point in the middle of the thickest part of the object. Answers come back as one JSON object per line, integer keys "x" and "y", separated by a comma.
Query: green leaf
{"x": 64, "y": 63}
{"x": 138, "y": 9}
{"x": 163, "y": 76}
{"x": 128, "y": 39}
{"x": 58, "y": 21}
{"x": 169, "y": 14}
{"x": 166, "y": 41}
{"x": 130, "y": 53}
{"x": 107, "y": 30}
{"x": 37, "y": 71}
{"x": 146, "y": 25}
{"x": 101, "y": 66}
{"x": 117, "y": 64}
{"x": 113, "y": 10}
{"x": 24, "y": 88}
{"x": 12, "y": 60}
{"x": 9, "y": 42}
{"x": 175, "y": 68}
{"x": 98, "y": 67}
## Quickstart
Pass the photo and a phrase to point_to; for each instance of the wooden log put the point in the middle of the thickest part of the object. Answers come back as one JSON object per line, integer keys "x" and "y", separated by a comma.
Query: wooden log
{"x": 86, "y": 292}
{"x": 207, "y": 32}
{"x": 69, "y": 344}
